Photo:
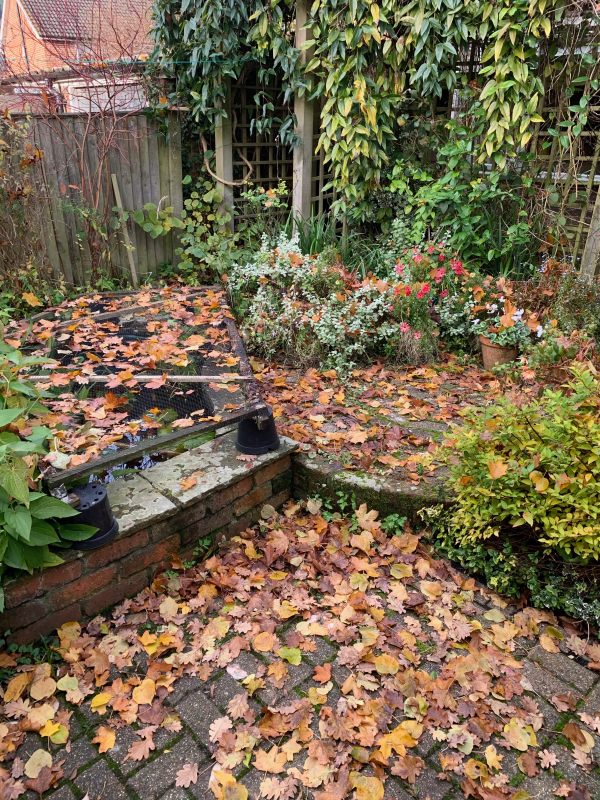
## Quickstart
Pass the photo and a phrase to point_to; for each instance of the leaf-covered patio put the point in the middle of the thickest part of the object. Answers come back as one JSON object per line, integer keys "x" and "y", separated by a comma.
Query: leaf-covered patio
{"x": 316, "y": 654}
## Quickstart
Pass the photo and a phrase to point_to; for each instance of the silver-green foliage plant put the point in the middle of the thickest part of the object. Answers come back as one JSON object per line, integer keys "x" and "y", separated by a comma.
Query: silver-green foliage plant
{"x": 312, "y": 311}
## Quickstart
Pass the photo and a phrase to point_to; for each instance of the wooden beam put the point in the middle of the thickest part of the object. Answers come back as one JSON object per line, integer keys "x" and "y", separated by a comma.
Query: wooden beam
{"x": 591, "y": 251}
{"x": 224, "y": 155}
{"x": 128, "y": 245}
{"x": 304, "y": 112}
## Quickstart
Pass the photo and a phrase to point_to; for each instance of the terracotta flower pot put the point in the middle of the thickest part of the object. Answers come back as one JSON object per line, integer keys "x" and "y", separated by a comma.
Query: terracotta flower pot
{"x": 493, "y": 354}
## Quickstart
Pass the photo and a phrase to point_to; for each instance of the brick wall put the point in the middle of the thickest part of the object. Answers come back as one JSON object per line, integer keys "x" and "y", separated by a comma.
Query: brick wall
{"x": 155, "y": 524}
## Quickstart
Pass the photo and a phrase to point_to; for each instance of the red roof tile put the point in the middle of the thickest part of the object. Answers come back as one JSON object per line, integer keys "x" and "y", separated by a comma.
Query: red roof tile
{"x": 88, "y": 20}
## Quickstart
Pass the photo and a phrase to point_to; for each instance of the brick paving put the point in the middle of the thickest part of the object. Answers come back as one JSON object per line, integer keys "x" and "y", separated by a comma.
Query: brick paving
{"x": 111, "y": 777}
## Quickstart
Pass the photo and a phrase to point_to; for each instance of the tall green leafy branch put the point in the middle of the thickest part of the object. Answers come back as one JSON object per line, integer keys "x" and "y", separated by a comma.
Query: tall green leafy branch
{"x": 368, "y": 63}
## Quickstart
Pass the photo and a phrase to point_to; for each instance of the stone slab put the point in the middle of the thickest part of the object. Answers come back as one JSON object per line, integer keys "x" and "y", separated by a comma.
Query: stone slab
{"x": 315, "y": 474}
{"x": 198, "y": 712}
{"x": 155, "y": 778}
{"x": 137, "y": 504}
{"x": 544, "y": 683}
{"x": 101, "y": 781}
{"x": 565, "y": 668}
{"x": 215, "y": 465}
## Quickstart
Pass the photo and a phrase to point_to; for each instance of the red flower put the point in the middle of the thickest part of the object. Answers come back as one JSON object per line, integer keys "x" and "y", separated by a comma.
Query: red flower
{"x": 423, "y": 291}
{"x": 439, "y": 274}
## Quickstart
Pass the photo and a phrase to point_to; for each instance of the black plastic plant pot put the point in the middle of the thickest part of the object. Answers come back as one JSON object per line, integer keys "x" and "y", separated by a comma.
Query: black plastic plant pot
{"x": 255, "y": 437}
{"x": 94, "y": 509}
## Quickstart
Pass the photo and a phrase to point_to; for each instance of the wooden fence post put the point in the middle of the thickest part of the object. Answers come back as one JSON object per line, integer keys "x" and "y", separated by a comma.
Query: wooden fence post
{"x": 591, "y": 251}
{"x": 303, "y": 152}
{"x": 224, "y": 155}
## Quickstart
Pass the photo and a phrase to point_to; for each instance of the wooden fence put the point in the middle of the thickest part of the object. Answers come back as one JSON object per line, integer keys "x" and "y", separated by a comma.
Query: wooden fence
{"x": 81, "y": 154}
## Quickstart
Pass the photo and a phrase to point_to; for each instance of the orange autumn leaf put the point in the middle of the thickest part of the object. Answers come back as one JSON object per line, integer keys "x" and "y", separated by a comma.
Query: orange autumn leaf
{"x": 104, "y": 738}
{"x": 272, "y": 761}
{"x": 322, "y": 673}
{"x": 497, "y": 469}
{"x": 145, "y": 692}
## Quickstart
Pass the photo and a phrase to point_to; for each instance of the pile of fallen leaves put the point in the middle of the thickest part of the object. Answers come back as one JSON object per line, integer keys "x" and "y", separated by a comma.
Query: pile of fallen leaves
{"x": 414, "y": 654}
{"x": 379, "y": 418}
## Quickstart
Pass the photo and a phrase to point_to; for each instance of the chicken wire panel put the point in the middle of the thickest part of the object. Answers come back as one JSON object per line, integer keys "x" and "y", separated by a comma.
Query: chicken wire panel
{"x": 135, "y": 373}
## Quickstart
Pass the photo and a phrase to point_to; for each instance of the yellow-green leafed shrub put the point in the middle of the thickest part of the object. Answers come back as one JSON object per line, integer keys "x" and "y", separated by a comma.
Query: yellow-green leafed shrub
{"x": 534, "y": 467}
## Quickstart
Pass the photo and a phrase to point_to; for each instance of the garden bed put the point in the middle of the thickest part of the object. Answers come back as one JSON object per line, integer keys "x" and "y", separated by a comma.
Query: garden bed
{"x": 125, "y": 375}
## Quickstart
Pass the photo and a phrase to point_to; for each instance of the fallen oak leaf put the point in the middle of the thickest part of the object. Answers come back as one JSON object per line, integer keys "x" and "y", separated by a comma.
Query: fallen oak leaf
{"x": 169, "y": 609}
{"x": 547, "y": 759}
{"x": 43, "y": 781}
{"x": 220, "y": 726}
{"x": 140, "y": 750}
{"x": 272, "y": 761}
{"x": 187, "y": 775}
{"x": 493, "y": 758}
{"x": 528, "y": 763}
{"x": 564, "y": 702}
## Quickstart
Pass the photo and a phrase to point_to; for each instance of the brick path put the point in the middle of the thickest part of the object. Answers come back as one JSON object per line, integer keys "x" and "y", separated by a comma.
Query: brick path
{"x": 465, "y": 666}
{"x": 111, "y": 777}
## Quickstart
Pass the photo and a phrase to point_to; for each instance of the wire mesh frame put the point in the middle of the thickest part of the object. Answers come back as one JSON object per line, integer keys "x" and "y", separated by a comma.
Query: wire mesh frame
{"x": 253, "y": 407}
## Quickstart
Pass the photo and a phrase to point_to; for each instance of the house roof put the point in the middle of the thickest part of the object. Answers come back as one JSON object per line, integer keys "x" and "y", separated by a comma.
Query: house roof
{"x": 81, "y": 20}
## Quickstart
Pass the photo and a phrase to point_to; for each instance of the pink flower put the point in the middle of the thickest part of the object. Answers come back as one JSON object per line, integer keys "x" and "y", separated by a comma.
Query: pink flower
{"x": 457, "y": 267}
{"x": 407, "y": 291}
{"x": 399, "y": 268}
{"x": 423, "y": 291}
{"x": 404, "y": 327}
{"x": 439, "y": 274}
{"x": 418, "y": 334}
{"x": 430, "y": 249}
{"x": 417, "y": 258}
{"x": 444, "y": 294}
{"x": 441, "y": 257}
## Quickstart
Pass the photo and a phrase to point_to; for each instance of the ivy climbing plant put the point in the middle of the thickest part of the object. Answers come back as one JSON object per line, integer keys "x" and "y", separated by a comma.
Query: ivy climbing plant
{"x": 369, "y": 64}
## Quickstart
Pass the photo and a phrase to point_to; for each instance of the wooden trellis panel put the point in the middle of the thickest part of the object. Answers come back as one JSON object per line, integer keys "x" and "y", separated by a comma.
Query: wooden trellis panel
{"x": 271, "y": 161}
